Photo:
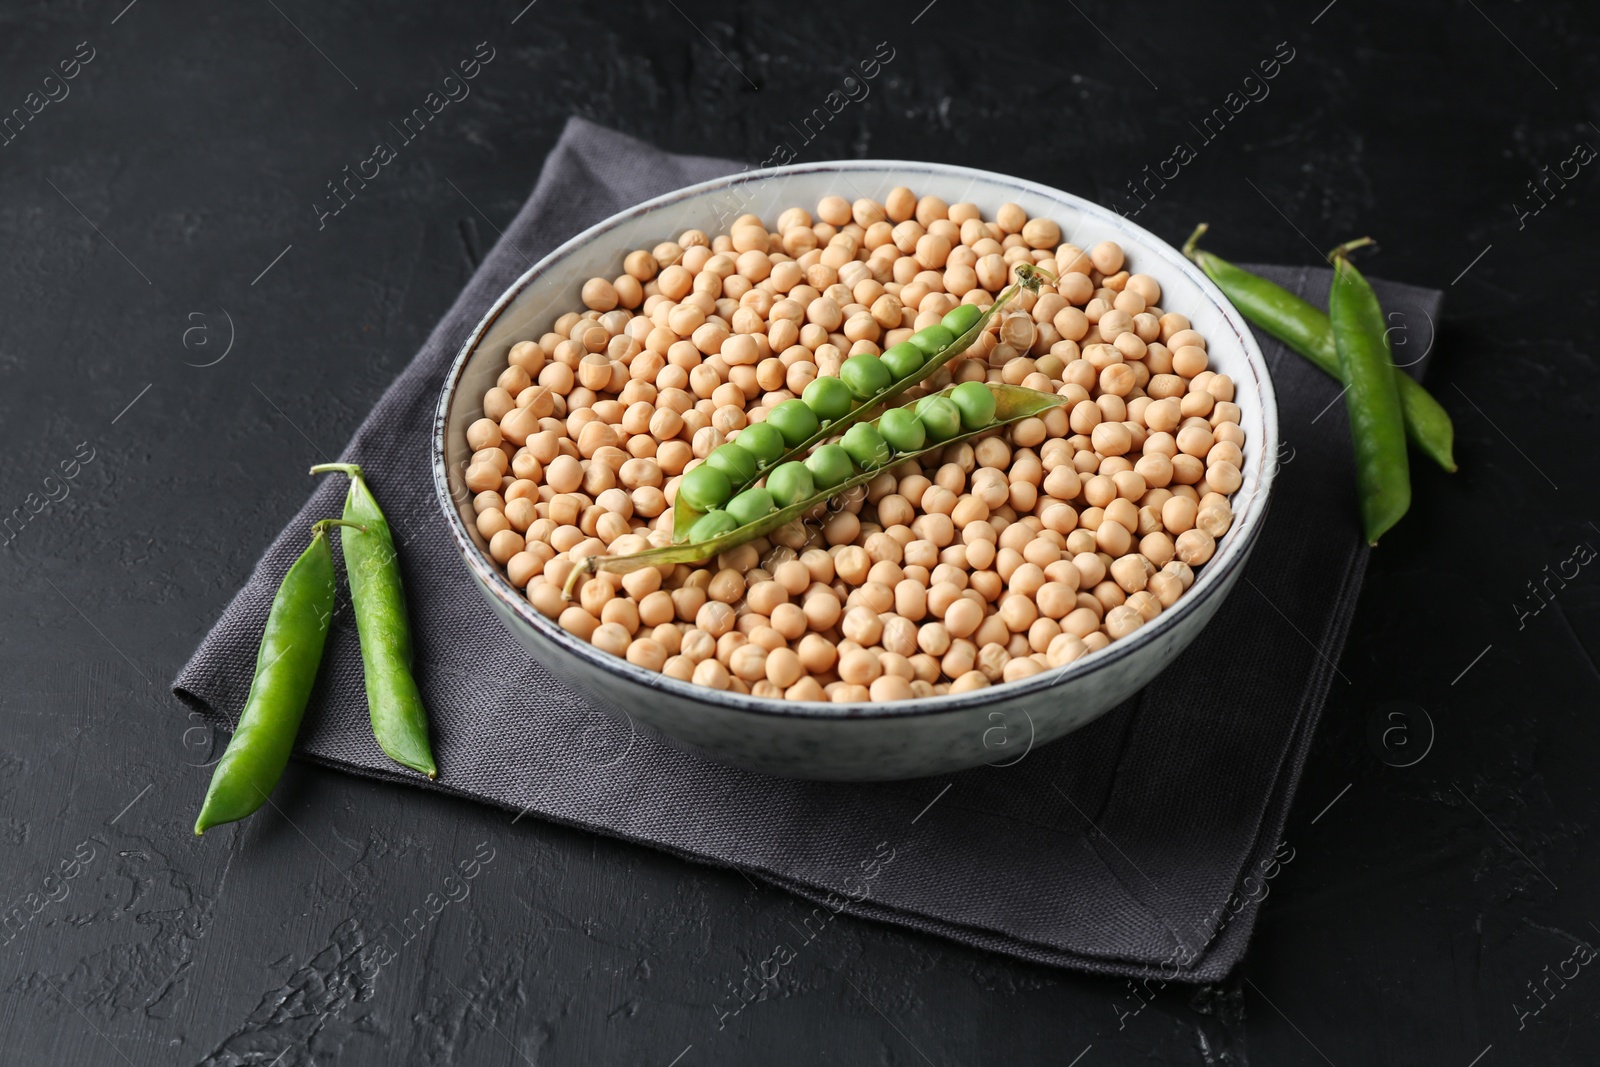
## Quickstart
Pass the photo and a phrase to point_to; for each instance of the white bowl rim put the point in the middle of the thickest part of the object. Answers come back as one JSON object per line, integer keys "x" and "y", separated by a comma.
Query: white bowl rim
{"x": 1248, "y": 519}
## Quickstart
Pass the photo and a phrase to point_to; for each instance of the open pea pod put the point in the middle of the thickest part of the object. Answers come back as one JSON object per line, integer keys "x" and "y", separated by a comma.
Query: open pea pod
{"x": 959, "y": 323}
{"x": 1012, "y": 403}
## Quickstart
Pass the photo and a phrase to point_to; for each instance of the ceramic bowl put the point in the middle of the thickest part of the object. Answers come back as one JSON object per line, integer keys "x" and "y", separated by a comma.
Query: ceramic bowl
{"x": 904, "y": 739}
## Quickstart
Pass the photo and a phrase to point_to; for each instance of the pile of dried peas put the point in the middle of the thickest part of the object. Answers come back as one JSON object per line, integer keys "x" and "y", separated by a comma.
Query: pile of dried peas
{"x": 992, "y": 561}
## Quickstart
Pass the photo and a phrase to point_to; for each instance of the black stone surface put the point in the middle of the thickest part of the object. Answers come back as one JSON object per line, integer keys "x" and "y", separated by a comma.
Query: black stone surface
{"x": 1440, "y": 904}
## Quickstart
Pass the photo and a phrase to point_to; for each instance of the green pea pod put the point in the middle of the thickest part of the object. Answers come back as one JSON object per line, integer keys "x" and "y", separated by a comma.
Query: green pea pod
{"x": 1307, "y": 330}
{"x": 1013, "y": 403}
{"x": 1376, "y": 423}
{"x": 286, "y": 669}
{"x": 399, "y": 721}
{"x": 685, "y": 514}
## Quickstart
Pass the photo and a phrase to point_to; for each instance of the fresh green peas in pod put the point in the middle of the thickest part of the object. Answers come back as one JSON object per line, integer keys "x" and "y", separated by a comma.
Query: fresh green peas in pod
{"x": 750, "y": 505}
{"x": 713, "y": 523}
{"x": 961, "y": 318}
{"x": 903, "y": 360}
{"x": 865, "y": 375}
{"x": 705, "y": 488}
{"x": 902, "y": 429}
{"x": 829, "y": 465}
{"x": 399, "y": 719}
{"x": 739, "y": 465}
{"x": 866, "y": 446}
{"x": 790, "y": 482}
{"x": 932, "y": 341}
{"x": 829, "y": 398}
{"x": 762, "y": 440}
{"x": 940, "y": 417}
{"x": 795, "y": 420}
{"x": 286, "y": 669}
{"x": 976, "y": 404}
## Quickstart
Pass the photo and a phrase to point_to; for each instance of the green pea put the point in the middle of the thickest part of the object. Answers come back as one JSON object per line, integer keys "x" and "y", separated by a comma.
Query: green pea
{"x": 932, "y": 341}
{"x": 903, "y": 360}
{"x": 976, "y": 402}
{"x": 735, "y": 462}
{"x": 713, "y": 523}
{"x": 763, "y": 441}
{"x": 961, "y": 318}
{"x": 829, "y": 398}
{"x": 903, "y": 430}
{"x": 705, "y": 488}
{"x": 829, "y": 465}
{"x": 794, "y": 420}
{"x": 750, "y": 505}
{"x": 940, "y": 417}
{"x": 866, "y": 446}
{"x": 865, "y": 375}
{"x": 790, "y": 482}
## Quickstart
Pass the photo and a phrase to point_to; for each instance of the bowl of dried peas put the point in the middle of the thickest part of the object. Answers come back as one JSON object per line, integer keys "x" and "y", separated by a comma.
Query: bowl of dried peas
{"x": 858, "y": 470}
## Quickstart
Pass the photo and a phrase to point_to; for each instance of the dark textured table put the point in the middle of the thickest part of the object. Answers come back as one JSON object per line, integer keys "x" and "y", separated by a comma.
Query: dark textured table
{"x": 186, "y": 322}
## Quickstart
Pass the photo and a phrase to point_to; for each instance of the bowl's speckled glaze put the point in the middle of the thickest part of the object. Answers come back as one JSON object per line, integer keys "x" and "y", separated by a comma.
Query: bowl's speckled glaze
{"x": 905, "y": 739}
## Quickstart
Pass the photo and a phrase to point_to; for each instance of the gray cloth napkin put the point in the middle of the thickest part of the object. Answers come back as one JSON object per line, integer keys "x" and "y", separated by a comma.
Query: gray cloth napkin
{"x": 1140, "y": 845}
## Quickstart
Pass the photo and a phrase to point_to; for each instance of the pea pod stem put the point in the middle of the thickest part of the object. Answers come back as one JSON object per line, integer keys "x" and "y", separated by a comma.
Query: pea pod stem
{"x": 1028, "y": 277}
{"x": 1013, "y": 404}
{"x": 286, "y": 669}
{"x": 394, "y": 702}
{"x": 324, "y": 525}
{"x": 1306, "y": 330}
{"x": 1377, "y": 425}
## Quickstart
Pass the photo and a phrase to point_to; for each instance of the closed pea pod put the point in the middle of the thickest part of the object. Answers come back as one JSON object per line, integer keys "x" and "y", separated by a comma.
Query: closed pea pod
{"x": 286, "y": 670}
{"x": 1376, "y": 423}
{"x": 399, "y": 720}
{"x": 1309, "y": 332}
